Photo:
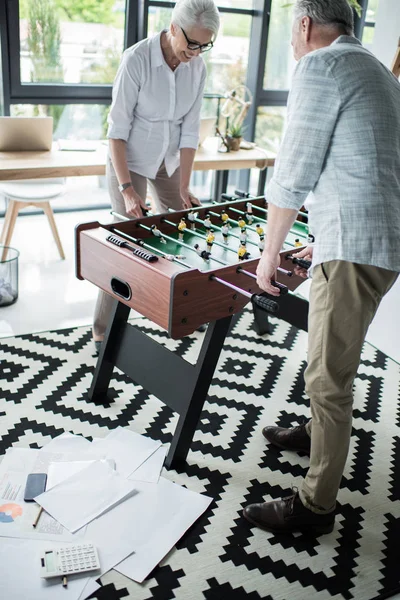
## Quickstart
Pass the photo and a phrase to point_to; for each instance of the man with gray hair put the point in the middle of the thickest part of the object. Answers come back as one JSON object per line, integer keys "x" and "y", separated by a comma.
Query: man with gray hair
{"x": 341, "y": 155}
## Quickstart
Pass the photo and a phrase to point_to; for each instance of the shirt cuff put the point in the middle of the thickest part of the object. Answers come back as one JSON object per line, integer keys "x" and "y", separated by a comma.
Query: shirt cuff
{"x": 276, "y": 194}
{"x": 189, "y": 141}
{"x": 116, "y": 133}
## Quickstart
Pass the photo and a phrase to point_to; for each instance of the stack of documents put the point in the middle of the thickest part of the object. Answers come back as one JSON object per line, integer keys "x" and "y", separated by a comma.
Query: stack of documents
{"x": 108, "y": 492}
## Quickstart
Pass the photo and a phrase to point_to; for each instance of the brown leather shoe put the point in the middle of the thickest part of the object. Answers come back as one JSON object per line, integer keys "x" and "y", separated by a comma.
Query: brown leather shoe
{"x": 292, "y": 438}
{"x": 287, "y": 515}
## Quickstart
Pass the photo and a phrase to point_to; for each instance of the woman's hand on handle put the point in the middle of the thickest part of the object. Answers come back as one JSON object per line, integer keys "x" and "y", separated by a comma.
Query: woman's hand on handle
{"x": 134, "y": 205}
{"x": 188, "y": 199}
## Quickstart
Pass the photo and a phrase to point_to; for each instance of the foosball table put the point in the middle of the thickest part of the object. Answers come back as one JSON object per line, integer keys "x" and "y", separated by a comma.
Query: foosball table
{"x": 181, "y": 270}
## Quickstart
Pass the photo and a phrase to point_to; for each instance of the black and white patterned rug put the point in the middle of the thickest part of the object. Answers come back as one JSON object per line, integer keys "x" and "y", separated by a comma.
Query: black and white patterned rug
{"x": 44, "y": 382}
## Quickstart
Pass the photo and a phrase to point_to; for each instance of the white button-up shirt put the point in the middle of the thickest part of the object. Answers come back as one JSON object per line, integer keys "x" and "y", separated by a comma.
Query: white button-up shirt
{"x": 154, "y": 109}
{"x": 342, "y": 144}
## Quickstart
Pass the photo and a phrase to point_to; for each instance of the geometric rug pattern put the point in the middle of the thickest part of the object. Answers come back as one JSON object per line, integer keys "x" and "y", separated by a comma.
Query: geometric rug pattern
{"x": 259, "y": 381}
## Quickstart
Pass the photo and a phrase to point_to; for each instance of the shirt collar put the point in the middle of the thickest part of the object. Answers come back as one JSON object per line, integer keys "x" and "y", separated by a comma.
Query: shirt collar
{"x": 157, "y": 58}
{"x": 346, "y": 39}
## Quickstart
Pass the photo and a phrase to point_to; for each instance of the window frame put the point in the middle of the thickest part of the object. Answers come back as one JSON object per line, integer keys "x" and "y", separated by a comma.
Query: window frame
{"x": 136, "y": 19}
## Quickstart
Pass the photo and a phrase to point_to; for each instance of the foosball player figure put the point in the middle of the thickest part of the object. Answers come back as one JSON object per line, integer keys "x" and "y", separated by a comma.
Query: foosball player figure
{"x": 210, "y": 239}
{"x": 202, "y": 253}
{"x": 259, "y": 229}
{"x": 297, "y": 243}
{"x": 224, "y": 216}
{"x": 181, "y": 228}
{"x": 249, "y": 212}
{"x": 155, "y": 231}
{"x": 207, "y": 222}
{"x": 261, "y": 243}
{"x": 243, "y": 254}
{"x": 192, "y": 215}
{"x": 243, "y": 236}
{"x": 241, "y": 223}
{"x": 225, "y": 232}
{"x": 310, "y": 238}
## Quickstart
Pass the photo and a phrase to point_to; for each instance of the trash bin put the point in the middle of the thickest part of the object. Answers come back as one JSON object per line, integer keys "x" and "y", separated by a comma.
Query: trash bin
{"x": 8, "y": 275}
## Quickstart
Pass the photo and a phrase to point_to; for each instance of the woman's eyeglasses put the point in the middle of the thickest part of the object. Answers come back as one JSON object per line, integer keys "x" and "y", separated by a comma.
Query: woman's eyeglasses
{"x": 195, "y": 46}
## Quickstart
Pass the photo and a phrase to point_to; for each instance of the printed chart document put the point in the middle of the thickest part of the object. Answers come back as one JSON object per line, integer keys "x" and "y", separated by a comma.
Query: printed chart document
{"x": 127, "y": 448}
{"x": 85, "y": 495}
{"x": 20, "y": 573}
{"x": 16, "y": 515}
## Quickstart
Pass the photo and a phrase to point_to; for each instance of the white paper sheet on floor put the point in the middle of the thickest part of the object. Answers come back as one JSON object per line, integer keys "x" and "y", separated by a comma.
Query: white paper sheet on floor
{"x": 86, "y": 495}
{"x": 127, "y": 448}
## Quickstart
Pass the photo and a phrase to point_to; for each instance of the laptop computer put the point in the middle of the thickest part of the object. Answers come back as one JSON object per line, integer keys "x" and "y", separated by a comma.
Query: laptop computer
{"x": 207, "y": 128}
{"x": 18, "y": 134}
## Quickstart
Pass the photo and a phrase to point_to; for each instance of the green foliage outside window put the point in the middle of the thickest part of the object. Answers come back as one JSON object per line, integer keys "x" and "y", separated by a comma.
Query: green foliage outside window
{"x": 44, "y": 41}
{"x": 83, "y": 11}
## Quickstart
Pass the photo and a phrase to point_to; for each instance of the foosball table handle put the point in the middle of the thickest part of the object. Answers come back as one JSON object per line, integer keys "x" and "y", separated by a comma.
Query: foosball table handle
{"x": 265, "y": 303}
{"x": 301, "y": 262}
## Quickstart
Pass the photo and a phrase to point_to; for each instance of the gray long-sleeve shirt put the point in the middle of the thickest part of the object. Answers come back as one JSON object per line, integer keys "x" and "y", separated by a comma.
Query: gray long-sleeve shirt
{"x": 341, "y": 155}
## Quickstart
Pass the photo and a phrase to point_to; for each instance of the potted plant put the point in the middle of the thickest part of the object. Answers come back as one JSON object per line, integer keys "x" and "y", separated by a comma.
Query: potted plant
{"x": 234, "y": 136}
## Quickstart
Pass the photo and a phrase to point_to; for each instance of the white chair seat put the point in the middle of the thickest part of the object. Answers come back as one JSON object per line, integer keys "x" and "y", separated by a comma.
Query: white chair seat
{"x": 30, "y": 192}
{"x": 33, "y": 189}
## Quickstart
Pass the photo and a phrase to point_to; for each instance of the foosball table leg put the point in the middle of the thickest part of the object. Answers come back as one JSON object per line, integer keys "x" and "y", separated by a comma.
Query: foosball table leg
{"x": 106, "y": 361}
{"x": 179, "y": 384}
{"x": 201, "y": 379}
{"x": 261, "y": 322}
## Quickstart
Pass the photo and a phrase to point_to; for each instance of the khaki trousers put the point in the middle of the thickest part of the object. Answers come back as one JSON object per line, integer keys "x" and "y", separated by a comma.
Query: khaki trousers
{"x": 166, "y": 194}
{"x": 343, "y": 301}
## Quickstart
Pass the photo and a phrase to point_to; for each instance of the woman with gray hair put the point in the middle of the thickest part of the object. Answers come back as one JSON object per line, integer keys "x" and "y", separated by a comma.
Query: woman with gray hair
{"x": 154, "y": 120}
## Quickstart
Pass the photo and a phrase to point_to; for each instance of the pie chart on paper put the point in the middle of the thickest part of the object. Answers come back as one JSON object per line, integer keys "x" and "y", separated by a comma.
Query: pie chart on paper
{"x": 9, "y": 512}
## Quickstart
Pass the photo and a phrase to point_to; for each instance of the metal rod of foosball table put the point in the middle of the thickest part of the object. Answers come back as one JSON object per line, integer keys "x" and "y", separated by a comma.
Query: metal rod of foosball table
{"x": 252, "y": 228}
{"x": 195, "y": 233}
{"x": 171, "y": 239}
{"x": 258, "y": 299}
{"x": 254, "y": 276}
{"x": 265, "y": 211}
{"x": 240, "y": 212}
{"x": 165, "y": 254}
{"x": 149, "y": 247}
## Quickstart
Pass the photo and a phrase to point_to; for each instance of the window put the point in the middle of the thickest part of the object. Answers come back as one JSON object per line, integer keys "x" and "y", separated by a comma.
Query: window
{"x": 369, "y": 25}
{"x": 270, "y": 125}
{"x": 70, "y": 121}
{"x": 70, "y": 42}
{"x": 279, "y": 61}
{"x": 227, "y": 61}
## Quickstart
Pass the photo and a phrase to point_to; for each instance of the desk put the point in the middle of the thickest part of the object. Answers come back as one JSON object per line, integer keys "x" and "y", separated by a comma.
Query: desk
{"x": 57, "y": 163}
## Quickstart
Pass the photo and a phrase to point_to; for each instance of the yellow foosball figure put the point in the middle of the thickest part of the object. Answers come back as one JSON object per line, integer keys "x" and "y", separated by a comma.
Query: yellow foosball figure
{"x": 259, "y": 229}
{"x": 181, "y": 228}
{"x": 243, "y": 254}
{"x": 297, "y": 243}
{"x": 224, "y": 216}
{"x": 210, "y": 239}
{"x": 242, "y": 223}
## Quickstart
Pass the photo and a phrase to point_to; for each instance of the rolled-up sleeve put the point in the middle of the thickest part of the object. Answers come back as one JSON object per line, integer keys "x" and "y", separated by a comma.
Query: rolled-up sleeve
{"x": 191, "y": 122}
{"x": 124, "y": 98}
{"x": 313, "y": 110}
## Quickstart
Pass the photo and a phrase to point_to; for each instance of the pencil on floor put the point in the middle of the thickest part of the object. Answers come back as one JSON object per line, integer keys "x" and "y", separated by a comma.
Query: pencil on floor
{"x": 36, "y": 521}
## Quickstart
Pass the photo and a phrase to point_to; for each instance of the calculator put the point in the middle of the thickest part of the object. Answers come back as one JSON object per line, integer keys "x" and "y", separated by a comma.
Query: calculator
{"x": 69, "y": 560}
